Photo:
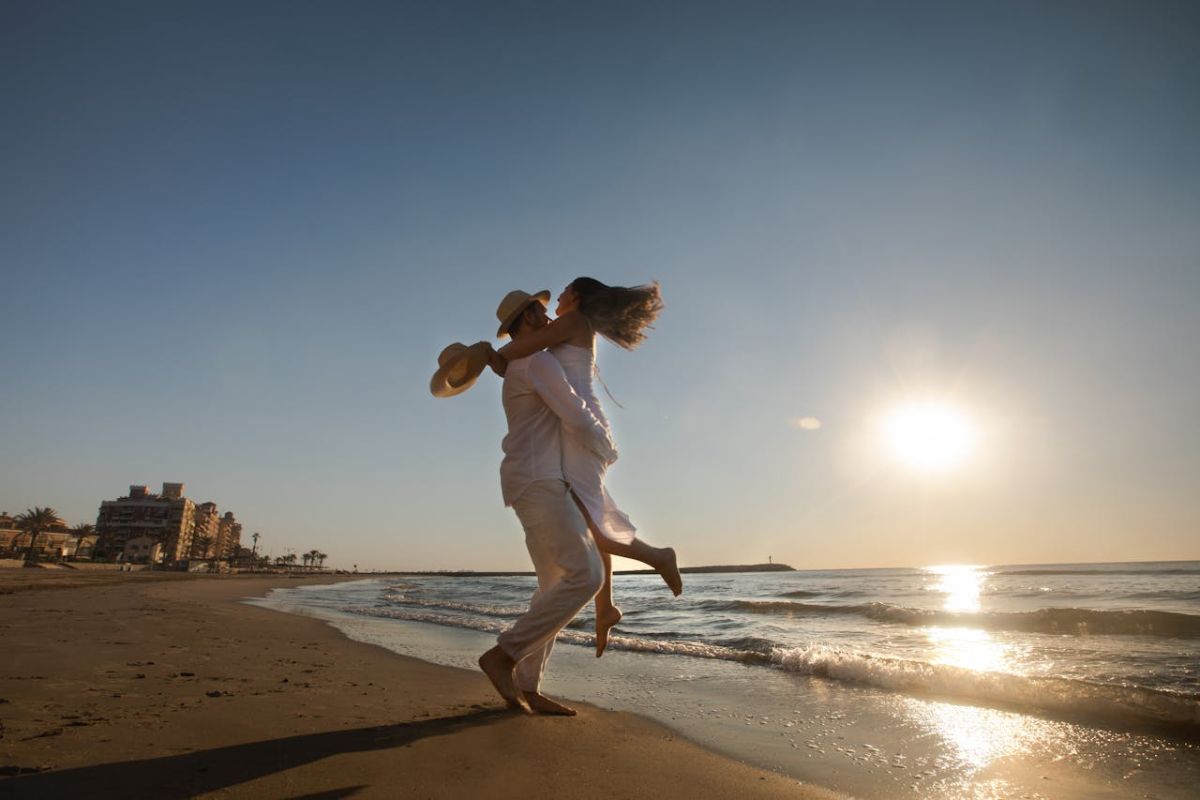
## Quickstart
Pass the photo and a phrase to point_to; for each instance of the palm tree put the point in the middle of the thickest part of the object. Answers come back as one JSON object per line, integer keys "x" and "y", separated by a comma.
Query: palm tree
{"x": 311, "y": 556}
{"x": 81, "y": 532}
{"x": 307, "y": 557}
{"x": 321, "y": 560}
{"x": 254, "y": 550}
{"x": 36, "y": 521}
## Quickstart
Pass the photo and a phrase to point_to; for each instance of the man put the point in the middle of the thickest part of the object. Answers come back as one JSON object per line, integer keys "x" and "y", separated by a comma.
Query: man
{"x": 541, "y": 408}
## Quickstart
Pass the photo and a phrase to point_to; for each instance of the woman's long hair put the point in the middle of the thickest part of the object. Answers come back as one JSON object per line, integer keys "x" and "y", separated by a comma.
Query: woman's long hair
{"x": 619, "y": 313}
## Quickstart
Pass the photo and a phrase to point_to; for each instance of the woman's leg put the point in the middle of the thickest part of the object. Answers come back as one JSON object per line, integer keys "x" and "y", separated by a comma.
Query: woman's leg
{"x": 607, "y": 613}
{"x": 662, "y": 559}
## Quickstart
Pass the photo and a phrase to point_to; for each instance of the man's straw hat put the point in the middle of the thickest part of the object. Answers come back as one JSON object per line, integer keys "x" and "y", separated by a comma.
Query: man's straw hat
{"x": 458, "y": 367}
{"x": 513, "y": 304}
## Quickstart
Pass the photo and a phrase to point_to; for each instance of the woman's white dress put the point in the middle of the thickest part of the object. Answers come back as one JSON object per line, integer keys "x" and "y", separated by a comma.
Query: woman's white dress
{"x": 583, "y": 469}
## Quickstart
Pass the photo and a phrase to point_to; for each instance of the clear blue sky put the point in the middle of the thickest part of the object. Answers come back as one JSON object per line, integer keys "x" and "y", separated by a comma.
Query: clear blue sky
{"x": 234, "y": 237}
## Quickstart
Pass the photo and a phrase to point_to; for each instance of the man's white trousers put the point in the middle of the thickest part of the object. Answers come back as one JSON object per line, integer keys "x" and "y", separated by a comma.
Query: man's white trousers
{"x": 569, "y": 572}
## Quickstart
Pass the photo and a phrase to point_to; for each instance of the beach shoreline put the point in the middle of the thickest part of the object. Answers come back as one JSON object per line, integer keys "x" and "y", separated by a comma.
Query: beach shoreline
{"x": 865, "y": 725}
{"x": 139, "y": 684}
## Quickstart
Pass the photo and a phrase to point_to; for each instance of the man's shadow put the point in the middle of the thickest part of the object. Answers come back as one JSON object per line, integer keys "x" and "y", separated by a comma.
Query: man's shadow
{"x": 188, "y": 774}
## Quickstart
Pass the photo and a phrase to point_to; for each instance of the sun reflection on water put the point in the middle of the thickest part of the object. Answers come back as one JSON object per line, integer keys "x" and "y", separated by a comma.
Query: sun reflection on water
{"x": 961, "y": 583}
{"x": 979, "y": 736}
{"x": 966, "y": 647}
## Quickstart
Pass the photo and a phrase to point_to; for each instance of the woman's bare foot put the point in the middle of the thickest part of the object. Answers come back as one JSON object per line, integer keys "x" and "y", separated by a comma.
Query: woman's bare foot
{"x": 669, "y": 570}
{"x": 604, "y": 621}
{"x": 544, "y": 705}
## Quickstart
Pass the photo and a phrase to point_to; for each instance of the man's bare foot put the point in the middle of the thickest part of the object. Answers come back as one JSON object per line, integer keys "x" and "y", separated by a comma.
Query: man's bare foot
{"x": 499, "y": 666}
{"x": 669, "y": 570}
{"x": 604, "y": 621}
{"x": 544, "y": 705}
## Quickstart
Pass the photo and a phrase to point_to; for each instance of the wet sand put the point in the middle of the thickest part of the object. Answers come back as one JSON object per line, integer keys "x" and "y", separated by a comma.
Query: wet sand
{"x": 164, "y": 685}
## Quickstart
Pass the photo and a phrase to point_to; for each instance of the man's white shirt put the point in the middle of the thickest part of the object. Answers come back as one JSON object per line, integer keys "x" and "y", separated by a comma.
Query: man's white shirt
{"x": 541, "y": 408}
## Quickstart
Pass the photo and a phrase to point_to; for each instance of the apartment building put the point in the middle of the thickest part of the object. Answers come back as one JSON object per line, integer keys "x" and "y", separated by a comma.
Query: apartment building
{"x": 229, "y": 537}
{"x": 207, "y": 531}
{"x": 168, "y": 518}
{"x": 181, "y": 527}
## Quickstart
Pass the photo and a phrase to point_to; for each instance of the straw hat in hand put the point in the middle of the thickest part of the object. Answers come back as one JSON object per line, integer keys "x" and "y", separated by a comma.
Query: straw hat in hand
{"x": 458, "y": 367}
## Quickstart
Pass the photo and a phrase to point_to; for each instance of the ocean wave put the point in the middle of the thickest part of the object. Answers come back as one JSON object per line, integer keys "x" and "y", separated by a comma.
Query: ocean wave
{"x": 1062, "y": 697}
{"x": 695, "y": 649}
{"x": 1072, "y": 621}
{"x": 1192, "y": 595}
{"x": 781, "y": 607}
{"x": 1166, "y": 571}
{"x": 573, "y": 636}
{"x": 509, "y": 612}
{"x": 824, "y": 593}
{"x": 1118, "y": 706}
{"x": 750, "y": 644}
{"x": 411, "y": 615}
{"x": 1104, "y": 593}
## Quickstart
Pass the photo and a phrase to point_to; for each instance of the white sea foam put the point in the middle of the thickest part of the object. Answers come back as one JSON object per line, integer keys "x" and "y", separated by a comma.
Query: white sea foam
{"x": 1057, "y": 696}
{"x": 1074, "y": 621}
{"x": 1114, "y": 705}
{"x": 508, "y": 612}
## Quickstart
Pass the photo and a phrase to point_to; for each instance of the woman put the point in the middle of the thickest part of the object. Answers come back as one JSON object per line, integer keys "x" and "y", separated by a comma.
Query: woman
{"x": 620, "y": 314}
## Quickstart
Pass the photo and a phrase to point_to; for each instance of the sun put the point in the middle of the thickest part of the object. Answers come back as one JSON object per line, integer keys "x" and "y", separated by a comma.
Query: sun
{"x": 929, "y": 435}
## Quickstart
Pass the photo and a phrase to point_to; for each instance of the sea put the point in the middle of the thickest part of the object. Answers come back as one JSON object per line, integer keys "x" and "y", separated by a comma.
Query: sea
{"x": 1045, "y": 680}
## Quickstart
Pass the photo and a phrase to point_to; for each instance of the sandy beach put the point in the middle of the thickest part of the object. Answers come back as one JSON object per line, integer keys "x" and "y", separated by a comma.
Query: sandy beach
{"x": 165, "y": 685}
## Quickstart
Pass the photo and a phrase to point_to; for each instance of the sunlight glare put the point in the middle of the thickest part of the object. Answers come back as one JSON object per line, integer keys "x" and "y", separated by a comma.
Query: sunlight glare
{"x": 981, "y": 736}
{"x": 961, "y": 583}
{"x": 929, "y": 436}
{"x": 966, "y": 647}
{"x": 978, "y": 736}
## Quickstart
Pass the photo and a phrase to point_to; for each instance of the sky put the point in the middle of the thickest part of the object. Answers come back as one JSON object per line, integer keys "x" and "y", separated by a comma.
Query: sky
{"x": 234, "y": 237}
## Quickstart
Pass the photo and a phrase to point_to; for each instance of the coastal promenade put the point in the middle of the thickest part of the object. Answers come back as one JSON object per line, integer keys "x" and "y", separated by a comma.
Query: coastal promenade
{"x": 164, "y": 685}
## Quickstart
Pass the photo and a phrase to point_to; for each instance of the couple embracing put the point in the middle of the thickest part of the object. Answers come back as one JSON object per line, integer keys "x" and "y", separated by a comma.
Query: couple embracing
{"x": 556, "y": 452}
